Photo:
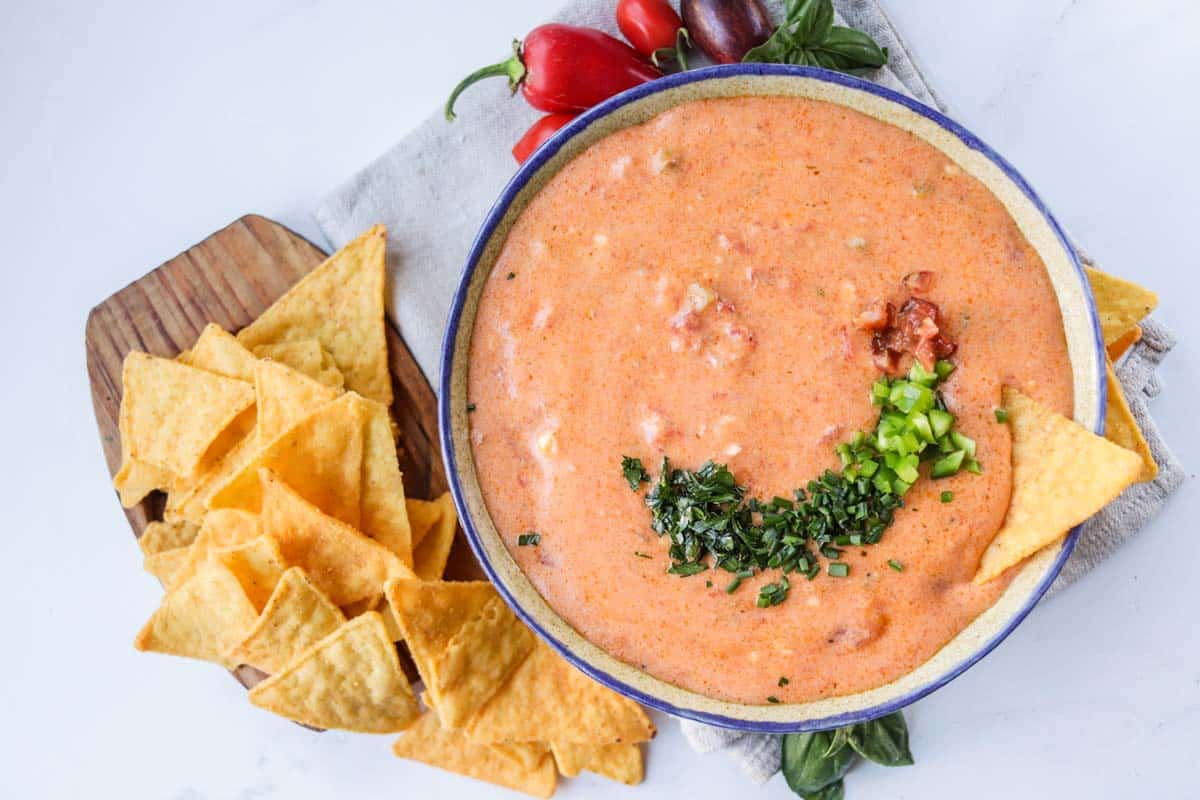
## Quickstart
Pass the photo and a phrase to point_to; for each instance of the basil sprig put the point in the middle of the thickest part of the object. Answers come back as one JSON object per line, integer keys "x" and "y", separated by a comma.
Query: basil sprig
{"x": 815, "y": 764}
{"x": 808, "y": 37}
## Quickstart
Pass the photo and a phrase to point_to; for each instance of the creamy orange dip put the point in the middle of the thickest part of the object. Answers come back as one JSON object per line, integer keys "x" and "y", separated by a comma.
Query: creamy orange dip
{"x": 689, "y": 287}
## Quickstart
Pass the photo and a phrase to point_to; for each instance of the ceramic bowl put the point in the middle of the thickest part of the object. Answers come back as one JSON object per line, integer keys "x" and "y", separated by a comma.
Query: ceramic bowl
{"x": 638, "y": 105}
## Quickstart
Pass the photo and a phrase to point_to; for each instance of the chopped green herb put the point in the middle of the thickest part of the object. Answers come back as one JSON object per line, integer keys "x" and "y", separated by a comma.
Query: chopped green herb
{"x": 784, "y": 681}
{"x": 635, "y": 474}
{"x": 708, "y": 584}
{"x": 772, "y": 594}
{"x": 1001, "y": 415}
{"x": 641, "y": 555}
{"x": 684, "y": 570}
{"x": 772, "y": 699}
{"x": 733, "y": 585}
{"x": 947, "y": 497}
{"x": 839, "y": 570}
{"x": 470, "y": 407}
{"x": 896, "y": 565}
{"x": 529, "y": 539}
{"x": 510, "y": 276}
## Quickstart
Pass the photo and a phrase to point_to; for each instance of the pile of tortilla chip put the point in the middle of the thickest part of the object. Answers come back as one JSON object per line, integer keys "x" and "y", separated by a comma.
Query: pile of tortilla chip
{"x": 1062, "y": 472}
{"x": 287, "y": 544}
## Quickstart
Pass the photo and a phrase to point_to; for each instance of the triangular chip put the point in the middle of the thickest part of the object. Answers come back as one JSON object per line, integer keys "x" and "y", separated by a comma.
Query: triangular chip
{"x": 136, "y": 479}
{"x": 258, "y": 565}
{"x": 160, "y": 536}
{"x": 430, "y": 556}
{"x": 189, "y": 500}
{"x": 548, "y": 699}
{"x": 345, "y": 564}
{"x": 384, "y": 515}
{"x": 284, "y": 397}
{"x": 428, "y": 742}
{"x": 202, "y": 618}
{"x": 320, "y": 457}
{"x": 305, "y": 356}
{"x": 223, "y": 528}
{"x": 618, "y": 762}
{"x": 1121, "y": 428}
{"x": 296, "y": 616}
{"x": 350, "y": 680}
{"x": 465, "y": 641}
{"x": 1121, "y": 346}
{"x": 1062, "y": 473}
{"x": 422, "y": 516}
{"x": 165, "y": 564}
{"x": 171, "y": 413}
{"x": 340, "y": 304}
{"x": 1120, "y": 304}
{"x": 218, "y": 351}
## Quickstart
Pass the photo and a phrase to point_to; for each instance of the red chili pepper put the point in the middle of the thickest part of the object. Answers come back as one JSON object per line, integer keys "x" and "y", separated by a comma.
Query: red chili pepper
{"x": 566, "y": 68}
{"x": 654, "y": 28}
{"x": 538, "y": 133}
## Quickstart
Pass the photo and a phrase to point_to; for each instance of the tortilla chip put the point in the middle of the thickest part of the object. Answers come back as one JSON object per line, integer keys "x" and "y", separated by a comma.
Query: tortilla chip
{"x": 350, "y": 680}
{"x": 618, "y": 762}
{"x": 305, "y": 356}
{"x": 547, "y": 699}
{"x": 319, "y": 457}
{"x": 136, "y": 479}
{"x": 422, "y": 516}
{"x": 1122, "y": 345}
{"x": 346, "y": 565}
{"x": 384, "y": 515}
{"x": 429, "y": 558}
{"x": 258, "y": 565}
{"x": 428, "y": 742}
{"x": 1062, "y": 473}
{"x": 296, "y": 616}
{"x": 160, "y": 536}
{"x": 218, "y": 351}
{"x": 1121, "y": 428}
{"x": 202, "y": 618}
{"x": 189, "y": 500}
{"x": 1120, "y": 304}
{"x": 528, "y": 754}
{"x": 165, "y": 564}
{"x": 284, "y": 397}
{"x": 221, "y": 529}
{"x": 465, "y": 641}
{"x": 340, "y": 304}
{"x": 172, "y": 413}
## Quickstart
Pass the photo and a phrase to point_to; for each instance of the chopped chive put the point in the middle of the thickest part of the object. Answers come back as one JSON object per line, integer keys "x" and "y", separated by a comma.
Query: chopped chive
{"x": 839, "y": 570}
{"x": 733, "y": 585}
{"x": 707, "y": 584}
{"x": 640, "y": 554}
{"x": 510, "y": 276}
{"x": 772, "y": 699}
{"x": 470, "y": 407}
{"x": 896, "y": 565}
{"x": 784, "y": 681}
{"x": 1001, "y": 415}
{"x": 527, "y": 539}
{"x": 947, "y": 497}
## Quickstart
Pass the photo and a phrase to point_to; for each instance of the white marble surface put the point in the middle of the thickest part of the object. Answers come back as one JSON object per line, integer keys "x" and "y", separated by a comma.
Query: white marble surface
{"x": 129, "y": 130}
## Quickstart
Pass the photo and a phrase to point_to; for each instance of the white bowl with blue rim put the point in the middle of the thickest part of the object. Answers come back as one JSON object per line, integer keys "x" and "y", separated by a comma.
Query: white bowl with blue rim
{"x": 635, "y": 106}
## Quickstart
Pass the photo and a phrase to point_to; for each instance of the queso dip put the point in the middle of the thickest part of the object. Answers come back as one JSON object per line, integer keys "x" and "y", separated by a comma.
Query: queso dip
{"x": 695, "y": 287}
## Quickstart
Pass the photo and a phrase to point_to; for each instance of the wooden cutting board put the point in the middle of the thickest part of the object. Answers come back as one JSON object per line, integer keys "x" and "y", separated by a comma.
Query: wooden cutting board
{"x": 230, "y": 278}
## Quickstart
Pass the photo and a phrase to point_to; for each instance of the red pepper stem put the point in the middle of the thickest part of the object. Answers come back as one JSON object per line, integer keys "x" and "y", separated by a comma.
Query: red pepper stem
{"x": 512, "y": 67}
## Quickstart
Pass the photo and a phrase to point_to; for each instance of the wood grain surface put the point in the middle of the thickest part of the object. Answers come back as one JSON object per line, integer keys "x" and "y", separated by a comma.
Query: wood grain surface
{"x": 230, "y": 278}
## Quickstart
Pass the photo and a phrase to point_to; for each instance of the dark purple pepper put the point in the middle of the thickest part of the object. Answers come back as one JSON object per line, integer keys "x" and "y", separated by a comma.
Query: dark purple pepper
{"x": 726, "y": 29}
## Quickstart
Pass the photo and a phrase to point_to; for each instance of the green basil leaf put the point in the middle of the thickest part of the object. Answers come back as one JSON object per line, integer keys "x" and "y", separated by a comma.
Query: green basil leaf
{"x": 834, "y": 791}
{"x": 855, "y": 47}
{"x": 840, "y": 739}
{"x": 884, "y": 741}
{"x": 807, "y": 37}
{"x": 810, "y": 21}
{"x": 806, "y": 767}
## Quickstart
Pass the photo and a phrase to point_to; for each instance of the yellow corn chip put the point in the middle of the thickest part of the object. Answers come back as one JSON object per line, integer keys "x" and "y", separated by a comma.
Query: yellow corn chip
{"x": 296, "y": 616}
{"x": 429, "y": 558}
{"x": 390, "y": 622}
{"x": 258, "y": 565}
{"x": 166, "y": 563}
{"x": 136, "y": 479}
{"x": 305, "y": 356}
{"x": 189, "y": 500}
{"x": 1121, "y": 428}
{"x": 218, "y": 351}
{"x": 160, "y": 536}
{"x": 1062, "y": 473}
{"x": 172, "y": 413}
{"x": 284, "y": 397}
{"x": 548, "y": 699}
{"x": 319, "y": 457}
{"x": 422, "y": 516}
{"x": 618, "y": 762}
{"x": 223, "y": 528}
{"x": 350, "y": 680}
{"x": 465, "y": 641}
{"x": 1119, "y": 304}
{"x": 1122, "y": 345}
{"x": 528, "y": 754}
{"x": 428, "y": 742}
{"x": 384, "y": 515}
{"x": 201, "y": 618}
{"x": 346, "y": 565}
{"x": 340, "y": 304}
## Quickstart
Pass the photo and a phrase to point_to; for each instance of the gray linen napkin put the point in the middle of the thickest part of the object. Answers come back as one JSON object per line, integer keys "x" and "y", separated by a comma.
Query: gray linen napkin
{"x": 434, "y": 187}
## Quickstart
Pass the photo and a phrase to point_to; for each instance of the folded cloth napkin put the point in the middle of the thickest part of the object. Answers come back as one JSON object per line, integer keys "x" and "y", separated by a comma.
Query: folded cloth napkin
{"x": 434, "y": 187}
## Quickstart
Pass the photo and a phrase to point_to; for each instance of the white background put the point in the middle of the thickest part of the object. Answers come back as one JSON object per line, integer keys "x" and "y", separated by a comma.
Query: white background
{"x": 130, "y": 130}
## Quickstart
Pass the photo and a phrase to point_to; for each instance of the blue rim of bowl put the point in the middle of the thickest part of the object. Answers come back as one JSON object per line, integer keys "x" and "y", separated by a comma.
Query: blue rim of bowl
{"x": 546, "y": 152}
